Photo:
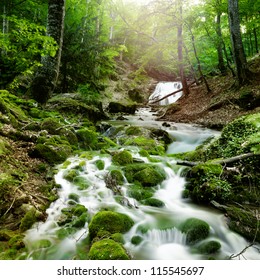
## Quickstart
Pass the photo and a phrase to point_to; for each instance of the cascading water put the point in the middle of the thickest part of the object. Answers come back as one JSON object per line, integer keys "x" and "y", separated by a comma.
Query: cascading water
{"x": 156, "y": 228}
{"x": 164, "y": 88}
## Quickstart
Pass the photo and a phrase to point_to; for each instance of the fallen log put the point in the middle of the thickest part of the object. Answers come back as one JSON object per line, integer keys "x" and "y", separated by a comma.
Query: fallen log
{"x": 221, "y": 161}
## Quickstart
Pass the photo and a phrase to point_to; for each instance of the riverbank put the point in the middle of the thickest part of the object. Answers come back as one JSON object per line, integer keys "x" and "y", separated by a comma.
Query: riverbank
{"x": 222, "y": 105}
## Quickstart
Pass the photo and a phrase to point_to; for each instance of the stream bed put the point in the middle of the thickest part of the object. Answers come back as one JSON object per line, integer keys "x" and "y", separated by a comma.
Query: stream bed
{"x": 161, "y": 239}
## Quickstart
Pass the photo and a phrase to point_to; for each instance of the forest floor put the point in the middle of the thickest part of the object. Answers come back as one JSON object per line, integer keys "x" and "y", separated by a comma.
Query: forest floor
{"x": 223, "y": 104}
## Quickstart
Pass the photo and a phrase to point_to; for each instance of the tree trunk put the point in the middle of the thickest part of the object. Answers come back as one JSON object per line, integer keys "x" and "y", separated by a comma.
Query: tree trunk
{"x": 256, "y": 42}
{"x": 45, "y": 80}
{"x": 180, "y": 53}
{"x": 221, "y": 63}
{"x": 198, "y": 62}
{"x": 236, "y": 40}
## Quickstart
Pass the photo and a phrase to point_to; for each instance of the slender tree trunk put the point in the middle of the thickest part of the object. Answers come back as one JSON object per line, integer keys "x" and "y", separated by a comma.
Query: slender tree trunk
{"x": 221, "y": 63}
{"x": 237, "y": 44}
{"x": 191, "y": 66}
{"x": 46, "y": 79}
{"x": 198, "y": 62}
{"x": 180, "y": 53}
{"x": 256, "y": 42}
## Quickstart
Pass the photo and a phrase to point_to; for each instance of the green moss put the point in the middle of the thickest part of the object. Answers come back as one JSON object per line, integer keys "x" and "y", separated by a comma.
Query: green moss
{"x": 28, "y": 220}
{"x": 110, "y": 221}
{"x": 100, "y": 164}
{"x": 74, "y": 196}
{"x": 70, "y": 174}
{"x": 118, "y": 176}
{"x": 53, "y": 153}
{"x": 153, "y": 202}
{"x": 139, "y": 193}
{"x": 133, "y": 130}
{"x": 195, "y": 229}
{"x": 209, "y": 247}
{"x": 147, "y": 175}
{"x": 122, "y": 158}
{"x": 52, "y": 125}
{"x": 17, "y": 242}
{"x": 6, "y": 234}
{"x": 4, "y": 147}
{"x": 88, "y": 138}
{"x": 81, "y": 182}
{"x": 107, "y": 249}
{"x": 152, "y": 146}
{"x": 118, "y": 237}
{"x": 40, "y": 244}
{"x": 136, "y": 240}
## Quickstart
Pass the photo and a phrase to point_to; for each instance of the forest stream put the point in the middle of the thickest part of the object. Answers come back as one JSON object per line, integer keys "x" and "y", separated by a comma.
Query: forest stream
{"x": 157, "y": 229}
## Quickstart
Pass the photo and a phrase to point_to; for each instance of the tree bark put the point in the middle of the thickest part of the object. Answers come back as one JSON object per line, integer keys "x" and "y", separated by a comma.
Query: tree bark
{"x": 237, "y": 44}
{"x": 221, "y": 63}
{"x": 221, "y": 161}
{"x": 46, "y": 78}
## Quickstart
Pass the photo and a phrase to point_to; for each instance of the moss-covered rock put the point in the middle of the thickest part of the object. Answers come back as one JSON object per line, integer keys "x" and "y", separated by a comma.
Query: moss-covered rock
{"x": 244, "y": 222}
{"x": 110, "y": 221}
{"x": 28, "y": 220}
{"x": 153, "y": 202}
{"x": 122, "y": 158}
{"x": 71, "y": 174}
{"x": 209, "y": 247}
{"x": 107, "y": 249}
{"x": 195, "y": 229}
{"x": 100, "y": 164}
{"x": 117, "y": 176}
{"x": 139, "y": 193}
{"x": 148, "y": 175}
{"x": 152, "y": 146}
{"x": 88, "y": 138}
{"x": 136, "y": 240}
{"x": 116, "y": 107}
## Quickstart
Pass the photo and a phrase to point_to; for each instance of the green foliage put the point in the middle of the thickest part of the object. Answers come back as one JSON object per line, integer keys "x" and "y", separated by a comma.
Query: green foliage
{"x": 21, "y": 50}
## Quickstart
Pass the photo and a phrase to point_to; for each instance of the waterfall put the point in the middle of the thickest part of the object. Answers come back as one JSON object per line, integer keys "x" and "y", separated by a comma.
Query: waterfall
{"x": 171, "y": 235}
{"x": 164, "y": 88}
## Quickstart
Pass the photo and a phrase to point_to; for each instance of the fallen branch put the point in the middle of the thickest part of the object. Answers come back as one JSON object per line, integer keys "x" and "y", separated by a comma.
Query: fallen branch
{"x": 221, "y": 161}
{"x": 168, "y": 95}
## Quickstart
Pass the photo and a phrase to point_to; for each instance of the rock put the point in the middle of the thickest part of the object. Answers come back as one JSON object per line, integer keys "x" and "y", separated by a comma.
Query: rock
{"x": 195, "y": 229}
{"x": 148, "y": 175}
{"x": 111, "y": 222}
{"x": 107, "y": 249}
{"x": 122, "y": 158}
{"x": 116, "y": 107}
{"x": 154, "y": 202}
{"x": 209, "y": 247}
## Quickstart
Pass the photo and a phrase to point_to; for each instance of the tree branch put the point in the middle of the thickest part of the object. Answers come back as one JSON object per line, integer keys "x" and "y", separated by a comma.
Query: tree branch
{"x": 221, "y": 161}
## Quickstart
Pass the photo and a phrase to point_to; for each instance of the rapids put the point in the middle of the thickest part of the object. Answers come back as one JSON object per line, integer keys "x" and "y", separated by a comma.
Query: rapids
{"x": 161, "y": 240}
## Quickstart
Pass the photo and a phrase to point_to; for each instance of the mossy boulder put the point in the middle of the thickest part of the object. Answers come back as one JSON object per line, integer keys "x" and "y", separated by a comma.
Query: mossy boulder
{"x": 209, "y": 247}
{"x": 195, "y": 229}
{"x": 88, "y": 138}
{"x": 139, "y": 193}
{"x": 112, "y": 222}
{"x": 116, "y": 107}
{"x": 53, "y": 149}
{"x": 122, "y": 158}
{"x": 117, "y": 176}
{"x": 100, "y": 164}
{"x": 152, "y": 146}
{"x": 136, "y": 240}
{"x": 153, "y": 202}
{"x": 28, "y": 220}
{"x": 81, "y": 182}
{"x": 107, "y": 249}
{"x": 148, "y": 175}
{"x": 71, "y": 174}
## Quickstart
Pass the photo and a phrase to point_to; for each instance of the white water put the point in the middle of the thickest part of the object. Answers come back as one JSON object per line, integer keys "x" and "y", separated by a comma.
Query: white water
{"x": 164, "y": 88}
{"x": 162, "y": 240}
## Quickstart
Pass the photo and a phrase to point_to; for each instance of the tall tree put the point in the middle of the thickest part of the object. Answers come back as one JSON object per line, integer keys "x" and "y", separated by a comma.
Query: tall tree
{"x": 237, "y": 44}
{"x": 45, "y": 80}
{"x": 180, "y": 49}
